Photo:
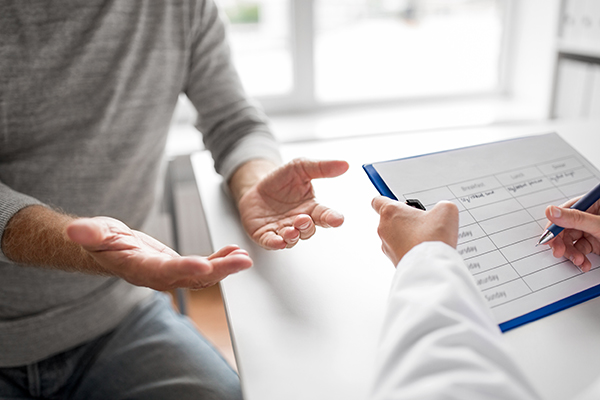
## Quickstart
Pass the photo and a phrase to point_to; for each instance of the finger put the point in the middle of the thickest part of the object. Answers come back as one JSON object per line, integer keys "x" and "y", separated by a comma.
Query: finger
{"x": 388, "y": 209}
{"x": 163, "y": 273}
{"x": 271, "y": 241}
{"x": 446, "y": 210}
{"x": 566, "y": 204}
{"x": 595, "y": 243}
{"x": 238, "y": 252}
{"x": 233, "y": 263}
{"x": 199, "y": 272}
{"x": 583, "y": 246}
{"x": 586, "y": 265}
{"x": 222, "y": 267}
{"x": 574, "y": 219}
{"x": 222, "y": 252}
{"x": 558, "y": 247}
{"x": 305, "y": 225}
{"x": 577, "y": 258}
{"x": 326, "y": 217}
{"x": 378, "y": 202}
{"x": 571, "y": 252}
{"x": 185, "y": 267}
{"x": 290, "y": 235}
{"x": 445, "y": 213}
{"x": 322, "y": 169}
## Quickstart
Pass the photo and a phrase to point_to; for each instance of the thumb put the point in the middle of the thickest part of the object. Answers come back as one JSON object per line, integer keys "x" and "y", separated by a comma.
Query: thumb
{"x": 322, "y": 169}
{"x": 574, "y": 219}
{"x": 87, "y": 232}
{"x": 378, "y": 202}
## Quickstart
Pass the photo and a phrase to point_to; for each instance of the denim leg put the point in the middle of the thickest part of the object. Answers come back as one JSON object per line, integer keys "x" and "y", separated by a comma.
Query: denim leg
{"x": 50, "y": 378}
{"x": 157, "y": 354}
{"x": 13, "y": 384}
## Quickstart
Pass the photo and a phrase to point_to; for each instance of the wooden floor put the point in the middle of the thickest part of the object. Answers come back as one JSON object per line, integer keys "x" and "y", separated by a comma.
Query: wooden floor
{"x": 205, "y": 308}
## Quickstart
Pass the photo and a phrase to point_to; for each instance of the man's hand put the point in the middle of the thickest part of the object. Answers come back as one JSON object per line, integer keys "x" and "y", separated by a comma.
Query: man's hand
{"x": 581, "y": 235}
{"x": 402, "y": 227}
{"x": 144, "y": 261}
{"x": 280, "y": 208}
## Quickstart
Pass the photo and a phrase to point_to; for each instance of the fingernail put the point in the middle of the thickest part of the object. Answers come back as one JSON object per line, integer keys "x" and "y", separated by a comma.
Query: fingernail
{"x": 555, "y": 212}
{"x": 573, "y": 261}
{"x": 304, "y": 225}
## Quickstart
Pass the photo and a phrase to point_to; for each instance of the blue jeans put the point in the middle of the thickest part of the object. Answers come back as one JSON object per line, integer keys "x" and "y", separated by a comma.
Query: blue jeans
{"x": 155, "y": 353}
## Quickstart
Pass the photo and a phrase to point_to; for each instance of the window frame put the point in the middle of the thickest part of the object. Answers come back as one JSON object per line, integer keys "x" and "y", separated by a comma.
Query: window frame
{"x": 302, "y": 97}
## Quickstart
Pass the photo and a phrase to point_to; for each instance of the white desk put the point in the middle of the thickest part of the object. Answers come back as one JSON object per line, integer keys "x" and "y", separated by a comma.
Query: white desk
{"x": 305, "y": 321}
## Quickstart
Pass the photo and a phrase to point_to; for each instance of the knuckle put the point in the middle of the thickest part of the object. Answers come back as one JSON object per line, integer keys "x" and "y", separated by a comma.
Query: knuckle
{"x": 298, "y": 163}
{"x": 448, "y": 207}
{"x": 596, "y": 232}
{"x": 576, "y": 216}
{"x": 387, "y": 211}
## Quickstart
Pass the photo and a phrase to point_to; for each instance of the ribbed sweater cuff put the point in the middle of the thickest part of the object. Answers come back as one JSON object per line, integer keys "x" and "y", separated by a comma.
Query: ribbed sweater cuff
{"x": 254, "y": 146}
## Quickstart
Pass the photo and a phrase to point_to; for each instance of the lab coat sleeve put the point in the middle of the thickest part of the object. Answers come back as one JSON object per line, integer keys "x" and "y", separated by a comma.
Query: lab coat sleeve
{"x": 439, "y": 340}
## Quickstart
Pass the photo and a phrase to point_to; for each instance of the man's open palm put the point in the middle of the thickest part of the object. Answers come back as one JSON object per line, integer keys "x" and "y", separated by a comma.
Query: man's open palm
{"x": 144, "y": 261}
{"x": 281, "y": 208}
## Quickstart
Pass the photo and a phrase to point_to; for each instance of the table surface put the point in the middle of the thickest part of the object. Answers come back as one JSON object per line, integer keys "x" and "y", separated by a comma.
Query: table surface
{"x": 305, "y": 321}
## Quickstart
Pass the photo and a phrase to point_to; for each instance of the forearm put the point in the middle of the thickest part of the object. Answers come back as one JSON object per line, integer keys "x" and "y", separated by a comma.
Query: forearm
{"x": 248, "y": 175}
{"x": 36, "y": 236}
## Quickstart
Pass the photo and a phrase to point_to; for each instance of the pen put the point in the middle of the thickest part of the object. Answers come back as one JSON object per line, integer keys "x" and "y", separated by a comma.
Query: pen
{"x": 415, "y": 203}
{"x": 582, "y": 205}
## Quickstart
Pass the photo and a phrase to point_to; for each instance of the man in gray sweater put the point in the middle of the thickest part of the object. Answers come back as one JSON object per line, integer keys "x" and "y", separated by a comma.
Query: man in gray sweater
{"x": 87, "y": 90}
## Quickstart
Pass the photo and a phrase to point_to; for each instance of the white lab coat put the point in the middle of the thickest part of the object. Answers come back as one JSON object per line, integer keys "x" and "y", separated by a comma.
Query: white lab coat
{"x": 439, "y": 340}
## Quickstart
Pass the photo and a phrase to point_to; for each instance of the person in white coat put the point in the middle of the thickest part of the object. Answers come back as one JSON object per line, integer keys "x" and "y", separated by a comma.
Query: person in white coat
{"x": 439, "y": 339}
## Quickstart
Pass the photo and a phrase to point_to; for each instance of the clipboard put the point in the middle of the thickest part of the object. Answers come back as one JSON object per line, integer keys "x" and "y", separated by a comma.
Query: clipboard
{"x": 502, "y": 189}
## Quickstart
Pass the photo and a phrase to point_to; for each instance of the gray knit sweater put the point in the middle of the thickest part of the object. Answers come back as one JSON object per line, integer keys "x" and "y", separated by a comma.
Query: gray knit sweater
{"x": 87, "y": 90}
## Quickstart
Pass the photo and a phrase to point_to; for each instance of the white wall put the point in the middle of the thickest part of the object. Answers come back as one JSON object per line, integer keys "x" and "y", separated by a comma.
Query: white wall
{"x": 532, "y": 47}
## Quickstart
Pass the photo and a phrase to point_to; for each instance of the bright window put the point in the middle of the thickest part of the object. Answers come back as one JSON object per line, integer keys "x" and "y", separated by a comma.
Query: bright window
{"x": 315, "y": 53}
{"x": 260, "y": 43}
{"x": 373, "y": 50}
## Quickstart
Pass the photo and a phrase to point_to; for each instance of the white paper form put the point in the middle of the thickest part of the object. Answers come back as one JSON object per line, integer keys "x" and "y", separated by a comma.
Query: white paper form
{"x": 502, "y": 190}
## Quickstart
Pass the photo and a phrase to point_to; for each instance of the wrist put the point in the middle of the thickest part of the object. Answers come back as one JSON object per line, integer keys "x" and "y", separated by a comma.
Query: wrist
{"x": 248, "y": 175}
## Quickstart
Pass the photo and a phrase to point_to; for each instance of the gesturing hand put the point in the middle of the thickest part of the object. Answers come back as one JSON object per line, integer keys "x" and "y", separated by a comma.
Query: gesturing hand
{"x": 402, "y": 227}
{"x": 144, "y": 261}
{"x": 581, "y": 235}
{"x": 281, "y": 208}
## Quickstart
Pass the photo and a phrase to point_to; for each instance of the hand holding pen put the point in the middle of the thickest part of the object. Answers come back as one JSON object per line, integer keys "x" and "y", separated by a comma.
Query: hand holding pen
{"x": 581, "y": 224}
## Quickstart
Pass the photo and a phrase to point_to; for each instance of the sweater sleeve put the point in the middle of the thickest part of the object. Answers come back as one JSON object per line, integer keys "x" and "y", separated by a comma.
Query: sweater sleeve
{"x": 234, "y": 128}
{"x": 11, "y": 202}
{"x": 439, "y": 340}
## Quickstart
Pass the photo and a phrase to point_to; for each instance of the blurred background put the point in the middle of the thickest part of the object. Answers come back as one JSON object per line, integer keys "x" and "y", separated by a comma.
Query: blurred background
{"x": 325, "y": 69}
{"x": 331, "y": 68}
{"x": 361, "y": 51}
